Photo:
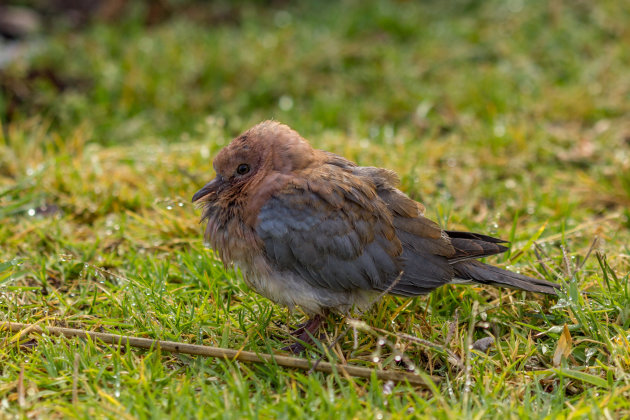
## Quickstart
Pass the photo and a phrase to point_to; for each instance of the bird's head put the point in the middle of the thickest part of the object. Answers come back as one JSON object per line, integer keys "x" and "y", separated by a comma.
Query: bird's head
{"x": 266, "y": 149}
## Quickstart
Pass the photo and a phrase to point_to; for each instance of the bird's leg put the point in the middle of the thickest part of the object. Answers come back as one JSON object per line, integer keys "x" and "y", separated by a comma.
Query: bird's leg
{"x": 304, "y": 334}
{"x": 301, "y": 327}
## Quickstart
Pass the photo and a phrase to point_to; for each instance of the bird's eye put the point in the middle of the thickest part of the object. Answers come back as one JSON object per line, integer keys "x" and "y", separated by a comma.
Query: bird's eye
{"x": 242, "y": 169}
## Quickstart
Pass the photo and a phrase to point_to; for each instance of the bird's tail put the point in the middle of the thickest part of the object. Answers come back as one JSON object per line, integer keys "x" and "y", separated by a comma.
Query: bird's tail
{"x": 479, "y": 272}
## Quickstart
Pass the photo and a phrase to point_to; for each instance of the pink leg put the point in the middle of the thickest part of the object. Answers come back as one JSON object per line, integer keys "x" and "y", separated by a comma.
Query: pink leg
{"x": 304, "y": 334}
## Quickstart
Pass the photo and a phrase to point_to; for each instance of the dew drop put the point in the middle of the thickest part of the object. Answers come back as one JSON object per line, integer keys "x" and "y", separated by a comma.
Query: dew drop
{"x": 499, "y": 130}
{"x": 589, "y": 352}
{"x": 561, "y": 303}
{"x": 285, "y": 103}
{"x": 388, "y": 132}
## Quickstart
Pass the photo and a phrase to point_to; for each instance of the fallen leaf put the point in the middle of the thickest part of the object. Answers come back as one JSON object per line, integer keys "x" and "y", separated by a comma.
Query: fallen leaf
{"x": 564, "y": 346}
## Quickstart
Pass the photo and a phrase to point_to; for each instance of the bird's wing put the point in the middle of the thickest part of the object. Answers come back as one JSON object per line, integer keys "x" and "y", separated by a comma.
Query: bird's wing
{"x": 426, "y": 247}
{"x": 330, "y": 228}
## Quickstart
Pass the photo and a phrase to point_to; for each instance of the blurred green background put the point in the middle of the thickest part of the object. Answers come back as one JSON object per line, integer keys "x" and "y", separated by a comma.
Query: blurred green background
{"x": 428, "y": 67}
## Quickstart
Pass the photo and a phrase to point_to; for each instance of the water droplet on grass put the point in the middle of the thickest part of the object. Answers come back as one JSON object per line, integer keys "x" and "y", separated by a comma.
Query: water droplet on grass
{"x": 388, "y": 387}
{"x": 285, "y": 103}
{"x": 499, "y": 129}
{"x": 561, "y": 303}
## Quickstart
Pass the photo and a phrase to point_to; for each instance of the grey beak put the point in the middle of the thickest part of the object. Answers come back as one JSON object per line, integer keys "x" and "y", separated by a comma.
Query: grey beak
{"x": 210, "y": 188}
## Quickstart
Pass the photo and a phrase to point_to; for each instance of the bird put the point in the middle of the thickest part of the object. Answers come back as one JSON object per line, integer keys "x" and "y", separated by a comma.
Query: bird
{"x": 311, "y": 229}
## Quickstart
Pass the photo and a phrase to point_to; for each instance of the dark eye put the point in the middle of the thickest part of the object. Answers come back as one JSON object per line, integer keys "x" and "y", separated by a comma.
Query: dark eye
{"x": 242, "y": 169}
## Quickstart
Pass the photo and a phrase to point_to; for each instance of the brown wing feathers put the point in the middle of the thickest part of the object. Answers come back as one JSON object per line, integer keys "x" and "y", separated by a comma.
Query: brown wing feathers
{"x": 433, "y": 257}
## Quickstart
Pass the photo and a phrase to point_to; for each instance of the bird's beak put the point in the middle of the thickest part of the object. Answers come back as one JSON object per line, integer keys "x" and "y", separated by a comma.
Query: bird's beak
{"x": 210, "y": 188}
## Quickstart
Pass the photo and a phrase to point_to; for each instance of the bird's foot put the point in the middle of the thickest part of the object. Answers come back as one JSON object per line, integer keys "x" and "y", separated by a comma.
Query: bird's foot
{"x": 299, "y": 329}
{"x": 293, "y": 333}
{"x": 304, "y": 334}
{"x": 295, "y": 348}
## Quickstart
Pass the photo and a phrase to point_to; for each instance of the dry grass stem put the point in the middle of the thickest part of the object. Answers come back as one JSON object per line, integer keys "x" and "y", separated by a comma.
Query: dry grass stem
{"x": 218, "y": 352}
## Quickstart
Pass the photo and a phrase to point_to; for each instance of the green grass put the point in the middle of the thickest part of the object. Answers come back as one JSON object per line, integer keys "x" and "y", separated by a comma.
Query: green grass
{"x": 501, "y": 117}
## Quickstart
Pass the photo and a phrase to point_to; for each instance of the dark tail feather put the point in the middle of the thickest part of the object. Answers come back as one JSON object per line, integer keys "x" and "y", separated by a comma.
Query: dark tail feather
{"x": 477, "y": 236}
{"x": 470, "y": 245}
{"x": 488, "y": 274}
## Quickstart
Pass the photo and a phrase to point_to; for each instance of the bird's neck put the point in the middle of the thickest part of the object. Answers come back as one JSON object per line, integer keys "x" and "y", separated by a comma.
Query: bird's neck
{"x": 229, "y": 235}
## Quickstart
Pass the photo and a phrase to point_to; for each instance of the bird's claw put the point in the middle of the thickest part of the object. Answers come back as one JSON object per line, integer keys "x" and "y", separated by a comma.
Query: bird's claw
{"x": 304, "y": 334}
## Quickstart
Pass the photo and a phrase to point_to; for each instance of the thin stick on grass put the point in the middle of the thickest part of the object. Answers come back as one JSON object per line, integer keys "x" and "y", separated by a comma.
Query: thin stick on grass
{"x": 588, "y": 254}
{"x": 343, "y": 333}
{"x": 221, "y": 353}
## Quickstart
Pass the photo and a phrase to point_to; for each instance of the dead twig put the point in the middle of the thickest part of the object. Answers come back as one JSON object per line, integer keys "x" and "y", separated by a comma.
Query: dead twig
{"x": 20, "y": 388}
{"x": 360, "y": 313}
{"x": 218, "y": 352}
